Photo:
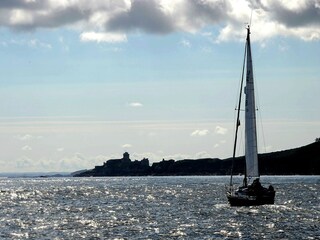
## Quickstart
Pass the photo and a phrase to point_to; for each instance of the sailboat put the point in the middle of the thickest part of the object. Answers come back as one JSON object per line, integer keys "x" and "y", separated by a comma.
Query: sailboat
{"x": 251, "y": 192}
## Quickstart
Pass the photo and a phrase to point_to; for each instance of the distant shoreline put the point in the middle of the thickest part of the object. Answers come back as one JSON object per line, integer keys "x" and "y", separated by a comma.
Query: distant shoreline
{"x": 298, "y": 161}
{"x": 302, "y": 161}
{"x": 69, "y": 175}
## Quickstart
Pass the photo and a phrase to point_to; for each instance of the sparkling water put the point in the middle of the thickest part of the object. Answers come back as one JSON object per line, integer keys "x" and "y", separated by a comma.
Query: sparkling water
{"x": 154, "y": 208}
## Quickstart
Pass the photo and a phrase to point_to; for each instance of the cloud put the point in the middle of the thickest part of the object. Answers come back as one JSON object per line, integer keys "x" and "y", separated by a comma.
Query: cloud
{"x": 27, "y": 137}
{"x": 64, "y": 45}
{"x": 202, "y": 154}
{"x": 76, "y": 161}
{"x": 152, "y": 134}
{"x": 26, "y": 148}
{"x": 291, "y": 13}
{"x": 185, "y": 43}
{"x": 103, "y": 37}
{"x": 269, "y": 148}
{"x": 178, "y": 156}
{"x": 145, "y": 15}
{"x": 201, "y": 133}
{"x": 295, "y": 18}
{"x": 135, "y": 104}
{"x": 79, "y": 161}
{"x": 220, "y": 130}
{"x": 206, "y": 49}
{"x": 24, "y": 162}
{"x": 35, "y": 43}
{"x": 24, "y": 137}
{"x": 221, "y": 142}
{"x": 110, "y": 21}
{"x": 61, "y": 149}
{"x": 127, "y": 145}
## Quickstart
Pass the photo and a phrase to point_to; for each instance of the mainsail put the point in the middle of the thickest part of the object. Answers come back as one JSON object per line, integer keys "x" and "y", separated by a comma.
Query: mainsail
{"x": 251, "y": 152}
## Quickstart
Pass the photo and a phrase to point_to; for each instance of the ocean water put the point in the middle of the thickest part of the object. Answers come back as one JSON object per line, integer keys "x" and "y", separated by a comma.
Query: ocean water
{"x": 154, "y": 208}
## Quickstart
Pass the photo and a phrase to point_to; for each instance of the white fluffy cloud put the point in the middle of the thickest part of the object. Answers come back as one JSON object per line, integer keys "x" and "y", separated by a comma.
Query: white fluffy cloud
{"x": 135, "y": 104}
{"x": 201, "y": 133}
{"x": 26, "y": 148}
{"x": 103, "y": 37}
{"x": 24, "y": 162}
{"x": 27, "y": 137}
{"x": 202, "y": 154}
{"x": 185, "y": 43}
{"x": 109, "y": 20}
{"x": 24, "y": 137}
{"x": 127, "y": 145}
{"x": 221, "y": 130}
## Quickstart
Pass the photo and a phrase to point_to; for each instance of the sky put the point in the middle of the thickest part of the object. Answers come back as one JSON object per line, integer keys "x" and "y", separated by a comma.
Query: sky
{"x": 82, "y": 83}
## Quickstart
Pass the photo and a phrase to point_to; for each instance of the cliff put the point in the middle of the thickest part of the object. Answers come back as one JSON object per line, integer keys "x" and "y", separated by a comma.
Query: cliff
{"x": 119, "y": 167}
{"x": 299, "y": 161}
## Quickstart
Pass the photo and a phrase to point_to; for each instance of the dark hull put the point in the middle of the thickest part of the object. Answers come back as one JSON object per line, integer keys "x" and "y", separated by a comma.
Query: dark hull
{"x": 246, "y": 198}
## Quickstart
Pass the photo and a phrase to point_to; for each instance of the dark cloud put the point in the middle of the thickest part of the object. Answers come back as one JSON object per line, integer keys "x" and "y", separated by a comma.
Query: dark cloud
{"x": 206, "y": 11}
{"x": 159, "y": 17}
{"x": 22, "y": 4}
{"x": 54, "y": 19}
{"x": 149, "y": 16}
{"x": 62, "y": 16}
{"x": 144, "y": 14}
{"x": 308, "y": 13}
{"x": 307, "y": 16}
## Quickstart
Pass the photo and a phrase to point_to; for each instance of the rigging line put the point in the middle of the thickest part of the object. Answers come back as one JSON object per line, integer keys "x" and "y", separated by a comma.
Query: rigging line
{"x": 261, "y": 133}
{"x": 236, "y": 104}
{"x": 262, "y": 130}
{"x": 238, "y": 113}
{"x": 239, "y": 88}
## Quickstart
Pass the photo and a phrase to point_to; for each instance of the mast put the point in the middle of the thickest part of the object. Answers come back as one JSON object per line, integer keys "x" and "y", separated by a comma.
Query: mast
{"x": 238, "y": 115}
{"x": 251, "y": 151}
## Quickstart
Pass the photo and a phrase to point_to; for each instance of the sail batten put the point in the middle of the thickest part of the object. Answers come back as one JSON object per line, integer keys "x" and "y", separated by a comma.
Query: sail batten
{"x": 251, "y": 151}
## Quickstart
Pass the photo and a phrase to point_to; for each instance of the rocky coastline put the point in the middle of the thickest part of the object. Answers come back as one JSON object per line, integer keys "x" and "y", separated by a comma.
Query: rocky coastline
{"x": 299, "y": 161}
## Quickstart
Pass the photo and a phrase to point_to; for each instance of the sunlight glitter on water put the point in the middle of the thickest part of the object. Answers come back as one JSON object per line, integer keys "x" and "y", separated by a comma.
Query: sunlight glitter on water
{"x": 153, "y": 208}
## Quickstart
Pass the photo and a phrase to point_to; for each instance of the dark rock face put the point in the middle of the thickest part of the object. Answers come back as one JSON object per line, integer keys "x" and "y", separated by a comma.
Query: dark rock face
{"x": 304, "y": 161}
{"x": 207, "y": 166}
{"x": 119, "y": 167}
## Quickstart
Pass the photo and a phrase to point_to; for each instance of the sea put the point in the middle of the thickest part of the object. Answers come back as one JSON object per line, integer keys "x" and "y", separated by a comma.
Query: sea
{"x": 193, "y": 207}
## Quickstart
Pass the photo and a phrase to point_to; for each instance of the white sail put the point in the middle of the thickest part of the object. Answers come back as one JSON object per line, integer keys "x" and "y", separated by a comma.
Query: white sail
{"x": 250, "y": 119}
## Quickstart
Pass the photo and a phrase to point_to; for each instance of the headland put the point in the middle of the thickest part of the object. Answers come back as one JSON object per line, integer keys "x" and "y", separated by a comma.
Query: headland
{"x": 298, "y": 161}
